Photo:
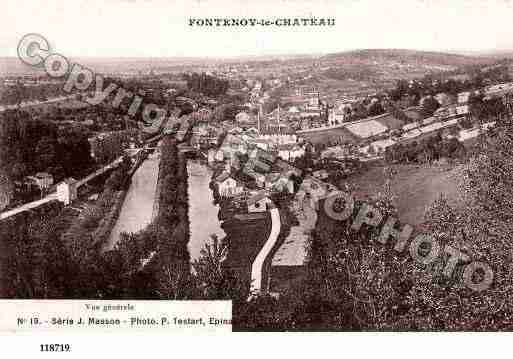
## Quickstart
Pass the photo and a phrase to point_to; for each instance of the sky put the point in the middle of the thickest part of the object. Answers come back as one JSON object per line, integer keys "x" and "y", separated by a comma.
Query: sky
{"x": 159, "y": 28}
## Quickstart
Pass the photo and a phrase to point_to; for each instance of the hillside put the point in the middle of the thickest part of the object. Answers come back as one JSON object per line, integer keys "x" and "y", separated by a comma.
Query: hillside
{"x": 408, "y": 56}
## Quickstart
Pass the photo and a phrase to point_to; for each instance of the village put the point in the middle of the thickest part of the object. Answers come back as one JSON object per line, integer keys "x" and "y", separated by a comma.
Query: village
{"x": 225, "y": 190}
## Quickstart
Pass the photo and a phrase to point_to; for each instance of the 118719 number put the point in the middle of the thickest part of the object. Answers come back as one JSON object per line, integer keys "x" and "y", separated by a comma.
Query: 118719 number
{"x": 55, "y": 347}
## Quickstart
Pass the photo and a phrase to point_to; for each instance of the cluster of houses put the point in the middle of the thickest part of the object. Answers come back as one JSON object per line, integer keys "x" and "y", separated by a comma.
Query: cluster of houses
{"x": 256, "y": 184}
{"x": 285, "y": 144}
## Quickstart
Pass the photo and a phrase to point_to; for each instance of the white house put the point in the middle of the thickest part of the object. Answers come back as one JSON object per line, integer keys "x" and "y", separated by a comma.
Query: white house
{"x": 227, "y": 185}
{"x": 335, "y": 117}
{"x": 219, "y": 156}
{"x": 211, "y": 156}
{"x": 43, "y": 180}
{"x": 289, "y": 152}
{"x": 67, "y": 190}
{"x": 258, "y": 203}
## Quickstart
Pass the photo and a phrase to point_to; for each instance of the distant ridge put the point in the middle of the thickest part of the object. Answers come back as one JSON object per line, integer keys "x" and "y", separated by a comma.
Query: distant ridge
{"x": 407, "y": 55}
{"x": 13, "y": 66}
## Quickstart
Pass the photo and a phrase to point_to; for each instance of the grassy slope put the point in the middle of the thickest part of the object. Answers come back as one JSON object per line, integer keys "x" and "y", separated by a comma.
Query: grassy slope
{"x": 416, "y": 187}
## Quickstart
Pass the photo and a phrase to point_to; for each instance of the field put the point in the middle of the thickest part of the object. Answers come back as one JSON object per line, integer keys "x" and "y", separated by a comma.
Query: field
{"x": 414, "y": 186}
{"x": 328, "y": 135}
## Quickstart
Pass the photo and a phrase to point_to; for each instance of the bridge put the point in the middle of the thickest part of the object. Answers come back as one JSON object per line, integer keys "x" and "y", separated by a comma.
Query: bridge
{"x": 28, "y": 206}
{"x": 53, "y": 196}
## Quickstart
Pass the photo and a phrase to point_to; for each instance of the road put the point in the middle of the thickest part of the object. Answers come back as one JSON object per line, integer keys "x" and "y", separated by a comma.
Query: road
{"x": 28, "y": 206}
{"x": 258, "y": 264}
{"x": 34, "y": 103}
{"x": 293, "y": 250}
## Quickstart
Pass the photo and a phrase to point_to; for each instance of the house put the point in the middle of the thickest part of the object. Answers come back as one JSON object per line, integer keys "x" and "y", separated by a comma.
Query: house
{"x": 258, "y": 202}
{"x": 263, "y": 144}
{"x": 289, "y": 151}
{"x": 259, "y": 179}
{"x": 314, "y": 189}
{"x": 67, "y": 190}
{"x": 227, "y": 185}
{"x": 463, "y": 97}
{"x": 211, "y": 156}
{"x": 293, "y": 110}
{"x": 377, "y": 146}
{"x": 204, "y": 113}
{"x": 219, "y": 156}
{"x": 43, "y": 180}
{"x": 336, "y": 116}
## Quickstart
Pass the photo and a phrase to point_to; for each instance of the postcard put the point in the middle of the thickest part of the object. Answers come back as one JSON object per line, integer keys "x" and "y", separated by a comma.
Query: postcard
{"x": 233, "y": 166}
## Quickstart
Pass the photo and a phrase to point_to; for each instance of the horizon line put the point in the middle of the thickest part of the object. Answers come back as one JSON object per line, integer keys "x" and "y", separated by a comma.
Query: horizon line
{"x": 458, "y": 52}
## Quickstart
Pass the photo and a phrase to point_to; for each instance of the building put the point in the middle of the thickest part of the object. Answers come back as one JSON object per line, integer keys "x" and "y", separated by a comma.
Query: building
{"x": 259, "y": 179}
{"x": 258, "y": 202}
{"x": 227, "y": 185}
{"x": 463, "y": 97}
{"x": 67, "y": 190}
{"x": 336, "y": 116}
{"x": 211, "y": 156}
{"x": 378, "y": 147}
{"x": 43, "y": 180}
{"x": 290, "y": 151}
{"x": 219, "y": 156}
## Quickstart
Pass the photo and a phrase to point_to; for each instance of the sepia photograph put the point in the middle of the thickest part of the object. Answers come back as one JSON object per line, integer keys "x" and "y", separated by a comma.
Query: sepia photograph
{"x": 263, "y": 166}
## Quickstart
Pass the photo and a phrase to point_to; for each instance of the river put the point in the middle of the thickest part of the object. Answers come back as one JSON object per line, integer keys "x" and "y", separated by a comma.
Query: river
{"x": 202, "y": 212}
{"x": 137, "y": 210}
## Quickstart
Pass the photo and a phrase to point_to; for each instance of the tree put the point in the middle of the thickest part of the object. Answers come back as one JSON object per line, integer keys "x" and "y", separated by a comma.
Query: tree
{"x": 212, "y": 277}
{"x": 428, "y": 106}
{"x": 477, "y": 106}
{"x": 375, "y": 109}
{"x": 18, "y": 170}
{"x": 6, "y": 191}
{"x": 46, "y": 151}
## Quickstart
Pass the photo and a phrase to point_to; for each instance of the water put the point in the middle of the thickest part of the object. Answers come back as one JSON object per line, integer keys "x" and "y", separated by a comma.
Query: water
{"x": 202, "y": 211}
{"x": 137, "y": 210}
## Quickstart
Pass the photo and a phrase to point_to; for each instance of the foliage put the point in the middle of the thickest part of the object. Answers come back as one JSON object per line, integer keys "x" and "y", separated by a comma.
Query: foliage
{"x": 206, "y": 84}
{"x": 425, "y": 151}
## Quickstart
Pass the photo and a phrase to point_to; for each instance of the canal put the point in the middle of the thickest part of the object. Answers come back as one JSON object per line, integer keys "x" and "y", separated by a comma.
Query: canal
{"x": 202, "y": 211}
{"x": 137, "y": 210}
